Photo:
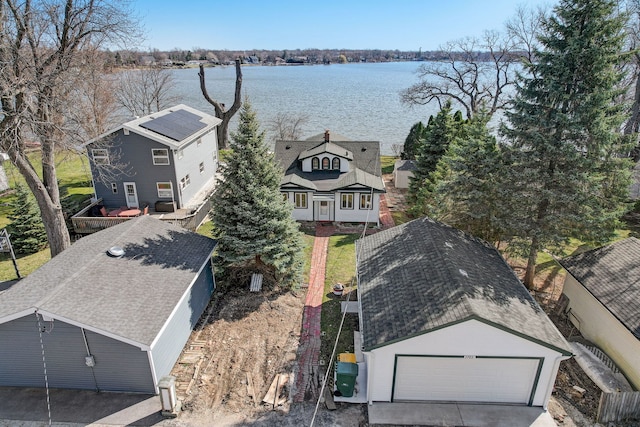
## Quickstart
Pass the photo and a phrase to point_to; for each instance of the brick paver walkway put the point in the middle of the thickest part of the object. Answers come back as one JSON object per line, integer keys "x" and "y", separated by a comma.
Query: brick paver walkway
{"x": 386, "y": 220}
{"x": 308, "y": 378}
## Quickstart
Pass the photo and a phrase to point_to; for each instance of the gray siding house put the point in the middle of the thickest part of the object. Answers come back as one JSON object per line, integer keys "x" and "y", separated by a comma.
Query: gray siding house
{"x": 170, "y": 156}
{"x": 107, "y": 322}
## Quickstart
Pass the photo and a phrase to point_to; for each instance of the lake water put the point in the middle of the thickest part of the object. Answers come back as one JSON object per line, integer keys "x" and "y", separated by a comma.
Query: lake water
{"x": 359, "y": 101}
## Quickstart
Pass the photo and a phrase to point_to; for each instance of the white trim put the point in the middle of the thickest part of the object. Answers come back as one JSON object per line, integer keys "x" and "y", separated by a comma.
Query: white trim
{"x": 184, "y": 295}
{"x": 154, "y": 157}
{"x": 92, "y": 329}
{"x": 152, "y": 365}
{"x": 17, "y": 315}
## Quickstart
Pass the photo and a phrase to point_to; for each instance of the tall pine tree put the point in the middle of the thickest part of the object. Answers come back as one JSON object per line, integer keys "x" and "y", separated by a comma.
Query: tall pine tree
{"x": 566, "y": 176}
{"x": 27, "y": 229}
{"x": 469, "y": 191}
{"x": 439, "y": 133}
{"x": 252, "y": 222}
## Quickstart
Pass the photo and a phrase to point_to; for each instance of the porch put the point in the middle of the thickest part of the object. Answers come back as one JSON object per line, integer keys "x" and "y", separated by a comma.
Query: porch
{"x": 86, "y": 222}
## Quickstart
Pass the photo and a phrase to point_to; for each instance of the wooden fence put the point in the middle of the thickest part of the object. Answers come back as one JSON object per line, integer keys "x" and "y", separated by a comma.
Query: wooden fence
{"x": 616, "y": 407}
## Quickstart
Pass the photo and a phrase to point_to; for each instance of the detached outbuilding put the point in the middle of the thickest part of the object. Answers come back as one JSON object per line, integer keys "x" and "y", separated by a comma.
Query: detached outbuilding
{"x": 403, "y": 172}
{"x": 444, "y": 318}
{"x": 603, "y": 289}
{"x": 110, "y": 313}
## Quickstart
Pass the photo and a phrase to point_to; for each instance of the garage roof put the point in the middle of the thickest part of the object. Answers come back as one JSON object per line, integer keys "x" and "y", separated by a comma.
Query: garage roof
{"x": 130, "y": 297}
{"x": 424, "y": 275}
{"x": 612, "y": 275}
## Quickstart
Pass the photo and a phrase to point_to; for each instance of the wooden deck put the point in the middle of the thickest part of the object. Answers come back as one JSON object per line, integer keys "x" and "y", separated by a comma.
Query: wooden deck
{"x": 189, "y": 219}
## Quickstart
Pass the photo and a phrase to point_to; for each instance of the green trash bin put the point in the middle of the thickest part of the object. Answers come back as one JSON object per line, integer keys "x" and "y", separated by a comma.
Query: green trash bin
{"x": 346, "y": 374}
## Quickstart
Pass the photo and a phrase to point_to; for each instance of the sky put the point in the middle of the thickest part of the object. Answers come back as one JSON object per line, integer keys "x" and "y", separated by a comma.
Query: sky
{"x": 407, "y": 25}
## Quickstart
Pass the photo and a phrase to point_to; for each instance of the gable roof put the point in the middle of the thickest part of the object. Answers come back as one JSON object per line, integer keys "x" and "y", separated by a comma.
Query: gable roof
{"x": 327, "y": 147}
{"x": 612, "y": 275}
{"x": 364, "y": 167}
{"x": 423, "y": 275}
{"x": 173, "y": 127}
{"x": 85, "y": 286}
{"x": 405, "y": 165}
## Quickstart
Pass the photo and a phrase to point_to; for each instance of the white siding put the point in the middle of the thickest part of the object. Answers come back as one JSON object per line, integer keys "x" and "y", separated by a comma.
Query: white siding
{"x": 356, "y": 214}
{"x": 301, "y": 214}
{"x": 598, "y": 325}
{"x": 306, "y": 163}
{"x": 470, "y": 338}
{"x": 401, "y": 178}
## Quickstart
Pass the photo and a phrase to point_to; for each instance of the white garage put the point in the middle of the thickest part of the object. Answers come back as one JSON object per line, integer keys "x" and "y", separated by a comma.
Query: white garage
{"x": 443, "y": 318}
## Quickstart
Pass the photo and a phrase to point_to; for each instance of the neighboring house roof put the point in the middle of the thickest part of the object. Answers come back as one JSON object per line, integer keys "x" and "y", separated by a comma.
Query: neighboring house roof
{"x": 423, "y": 275}
{"x": 405, "y": 165}
{"x": 612, "y": 275}
{"x": 173, "y": 127}
{"x": 129, "y": 297}
{"x": 364, "y": 167}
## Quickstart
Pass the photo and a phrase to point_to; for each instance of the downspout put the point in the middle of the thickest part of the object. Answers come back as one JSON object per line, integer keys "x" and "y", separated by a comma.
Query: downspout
{"x": 89, "y": 360}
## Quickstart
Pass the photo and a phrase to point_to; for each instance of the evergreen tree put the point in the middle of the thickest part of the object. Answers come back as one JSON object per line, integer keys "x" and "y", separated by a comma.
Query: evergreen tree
{"x": 413, "y": 141}
{"x": 563, "y": 135}
{"x": 438, "y": 135}
{"x": 26, "y": 228}
{"x": 469, "y": 193}
{"x": 252, "y": 222}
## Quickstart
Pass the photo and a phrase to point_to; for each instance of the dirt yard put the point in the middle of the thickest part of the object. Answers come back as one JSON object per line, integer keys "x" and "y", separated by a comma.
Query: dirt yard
{"x": 231, "y": 361}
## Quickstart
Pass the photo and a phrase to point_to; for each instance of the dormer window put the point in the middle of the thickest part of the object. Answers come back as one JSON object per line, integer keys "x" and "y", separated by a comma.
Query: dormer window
{"x": 315, "y": 163}
{"x": 335, "y": 163}
{"x": 325, "y": 163}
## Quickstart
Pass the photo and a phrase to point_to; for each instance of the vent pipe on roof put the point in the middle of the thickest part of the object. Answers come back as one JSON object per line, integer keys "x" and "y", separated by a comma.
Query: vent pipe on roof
{"x": 326, "y": 136}
{"x": 115, "y": 251}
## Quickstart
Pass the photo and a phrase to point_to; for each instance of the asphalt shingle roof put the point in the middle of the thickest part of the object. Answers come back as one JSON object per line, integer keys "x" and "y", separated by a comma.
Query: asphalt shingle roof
{"x": 612, "y": 275}
{"x": 424, "y": 275}
{"x": 364, "y": 169}
{"x": 131, "y": 297}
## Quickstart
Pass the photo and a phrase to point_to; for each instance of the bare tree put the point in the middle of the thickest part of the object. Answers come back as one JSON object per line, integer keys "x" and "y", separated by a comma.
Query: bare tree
{"x": 472, "y": 72}
{"x": 145, "y": 90}
{"x": 42, "y": 56}
{"x": 220, "y": 112}
{"x": 288, "y": 127}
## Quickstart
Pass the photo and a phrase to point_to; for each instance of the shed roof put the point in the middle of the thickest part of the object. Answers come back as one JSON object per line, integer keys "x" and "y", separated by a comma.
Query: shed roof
{"x": 364, "y": 166}
{"x": 405, "y": 165}
{"x": 175, "y": 126}
{"x": 129, "y": 297}
{"x": 423, "y": 275}
{"x": 612, "y": 275}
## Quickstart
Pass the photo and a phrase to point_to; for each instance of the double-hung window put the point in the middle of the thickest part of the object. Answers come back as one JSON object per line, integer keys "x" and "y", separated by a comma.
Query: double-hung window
{"x": 346, "y": 201}
{"x": 160, "y": 156}
{"x": 185, "y": 181}
{"x": 100, "y": 156}
{"x": 300, "y": 200}
{"x": 365, "y": 201}
{"x": 164, "y": 190}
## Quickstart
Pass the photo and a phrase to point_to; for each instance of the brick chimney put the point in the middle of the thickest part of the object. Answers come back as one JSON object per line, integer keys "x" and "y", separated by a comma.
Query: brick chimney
{"x": 326, "y": 135}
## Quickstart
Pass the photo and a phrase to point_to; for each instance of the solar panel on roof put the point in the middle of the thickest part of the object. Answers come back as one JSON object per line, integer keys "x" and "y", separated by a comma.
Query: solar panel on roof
{"x": 177, "y": 125}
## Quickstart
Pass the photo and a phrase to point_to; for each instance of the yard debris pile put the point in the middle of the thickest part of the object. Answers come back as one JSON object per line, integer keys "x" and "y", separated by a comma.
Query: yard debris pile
{"x": 232, "y": 359}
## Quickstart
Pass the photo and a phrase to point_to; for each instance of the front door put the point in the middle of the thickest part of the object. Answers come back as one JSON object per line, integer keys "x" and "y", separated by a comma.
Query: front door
{"x": 324, "y": 213}
{"x": 131, "y": 194}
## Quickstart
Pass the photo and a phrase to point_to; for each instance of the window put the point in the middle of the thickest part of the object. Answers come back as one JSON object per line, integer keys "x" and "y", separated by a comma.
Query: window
{"x": 335, "y": 163}
{"x": 180, "y": 154}
{"x": 365, "y": 201}
{"x": 325, "y": 163}
{"x": 201, "y": 167}
{"x": 114, "y": 188}
{"x": 100, "y": 156}
{"x": 315, "y": 163}
{"x": 164, "y": 190}
{"x": 346, "y": 201}
{"x": 184, "y": 182}
{"x": 301, "y": 200}
{"x": 160, "y": 156}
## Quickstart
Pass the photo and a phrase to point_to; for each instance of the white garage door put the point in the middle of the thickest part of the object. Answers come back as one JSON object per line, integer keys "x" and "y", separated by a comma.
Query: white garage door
{"x": 460, "y": 379}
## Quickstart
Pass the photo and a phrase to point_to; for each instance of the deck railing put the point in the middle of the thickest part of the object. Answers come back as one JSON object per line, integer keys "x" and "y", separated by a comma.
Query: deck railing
{"x": 85, "y": 224}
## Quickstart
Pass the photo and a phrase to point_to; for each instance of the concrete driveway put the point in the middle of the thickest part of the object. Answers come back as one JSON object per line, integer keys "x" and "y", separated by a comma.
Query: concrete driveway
{"x": 457, "y": 414}
{"x": 28, "y": 407}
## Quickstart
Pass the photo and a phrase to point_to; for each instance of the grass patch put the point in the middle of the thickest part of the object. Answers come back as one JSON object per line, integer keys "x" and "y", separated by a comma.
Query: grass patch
{"x": 26, "y": 264}
{"x": 387, "y": 163}
{"x": 400, "y": 217}
{"x": 340, "y": 268}
{"x": 308, "y": 237}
